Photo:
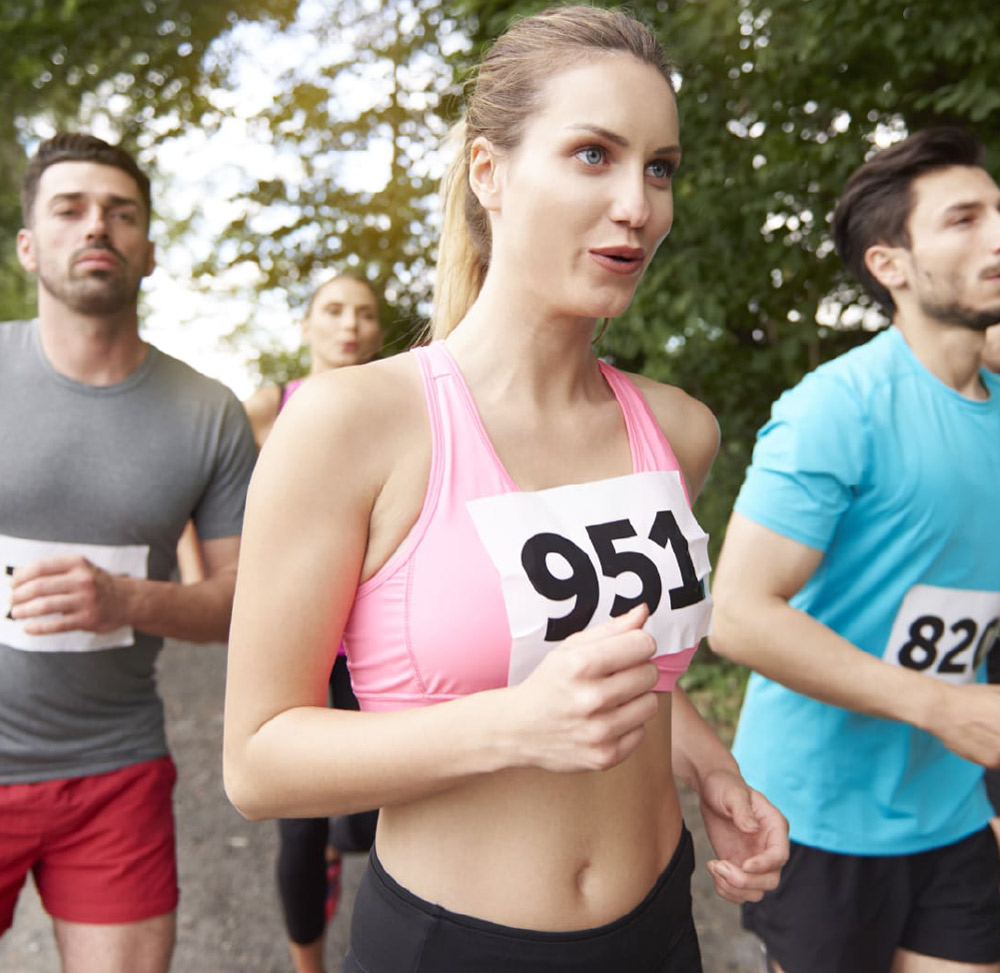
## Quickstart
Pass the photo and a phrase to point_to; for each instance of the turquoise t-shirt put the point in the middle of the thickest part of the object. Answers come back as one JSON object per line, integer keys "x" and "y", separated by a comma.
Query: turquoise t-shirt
{"x": 892, "y": 474}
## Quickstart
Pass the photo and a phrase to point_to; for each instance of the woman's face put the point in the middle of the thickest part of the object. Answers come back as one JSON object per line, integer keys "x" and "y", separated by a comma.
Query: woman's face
{"x": 582, "y": 204}
{"x": 342, "y": 327}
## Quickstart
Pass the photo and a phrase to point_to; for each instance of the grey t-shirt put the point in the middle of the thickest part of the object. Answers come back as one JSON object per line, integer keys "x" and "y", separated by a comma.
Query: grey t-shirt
{"x": 122, "y": 467}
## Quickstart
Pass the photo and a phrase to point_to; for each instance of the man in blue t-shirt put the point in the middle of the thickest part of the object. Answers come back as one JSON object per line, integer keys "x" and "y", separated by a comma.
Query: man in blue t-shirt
{"x": 991, "y": 359}
{"x": 860, "y": 580}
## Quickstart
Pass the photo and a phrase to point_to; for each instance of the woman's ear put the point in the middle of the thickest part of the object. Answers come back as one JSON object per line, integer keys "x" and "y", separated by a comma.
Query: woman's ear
{"x": 485, "y": 174}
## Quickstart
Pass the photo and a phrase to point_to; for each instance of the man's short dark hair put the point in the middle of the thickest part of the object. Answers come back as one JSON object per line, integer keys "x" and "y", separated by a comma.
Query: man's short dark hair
{"x": 875, "y": 205}
{"x": 78, "y": 147}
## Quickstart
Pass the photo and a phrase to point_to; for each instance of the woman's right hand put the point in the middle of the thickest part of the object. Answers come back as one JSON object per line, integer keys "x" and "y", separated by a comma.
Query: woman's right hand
{"x": 586, "y": 704}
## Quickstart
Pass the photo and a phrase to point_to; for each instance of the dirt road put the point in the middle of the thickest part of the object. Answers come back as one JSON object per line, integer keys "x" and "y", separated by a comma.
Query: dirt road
{"x": 228, "y": 920}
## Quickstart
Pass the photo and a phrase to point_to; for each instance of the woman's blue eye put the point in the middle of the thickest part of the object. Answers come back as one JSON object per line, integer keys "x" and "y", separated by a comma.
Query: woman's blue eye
{"x": 592, "y": 155}
{"x": 660, "y": 170}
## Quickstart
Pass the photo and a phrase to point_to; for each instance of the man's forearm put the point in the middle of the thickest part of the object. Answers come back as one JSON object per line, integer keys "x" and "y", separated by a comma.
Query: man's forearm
{"x": 790, "y": 647}
{"x": 190, "y": 612}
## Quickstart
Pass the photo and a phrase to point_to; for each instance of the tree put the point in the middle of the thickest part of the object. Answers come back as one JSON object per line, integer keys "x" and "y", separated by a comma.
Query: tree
{"x": 142, "y": 65}
{"x": 355, "y": 125}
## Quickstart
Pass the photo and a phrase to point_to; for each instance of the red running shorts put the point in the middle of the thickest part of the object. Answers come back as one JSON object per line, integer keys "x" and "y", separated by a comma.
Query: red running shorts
{"x": 101, "y": 849}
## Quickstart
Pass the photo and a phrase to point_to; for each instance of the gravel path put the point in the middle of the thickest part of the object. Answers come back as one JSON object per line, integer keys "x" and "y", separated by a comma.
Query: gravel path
{"x": 228, "y": 920}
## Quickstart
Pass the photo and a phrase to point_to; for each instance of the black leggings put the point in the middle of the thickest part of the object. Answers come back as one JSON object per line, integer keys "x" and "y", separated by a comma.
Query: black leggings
{"x": 394, "y": 931}
{"x": 301, "y": 868}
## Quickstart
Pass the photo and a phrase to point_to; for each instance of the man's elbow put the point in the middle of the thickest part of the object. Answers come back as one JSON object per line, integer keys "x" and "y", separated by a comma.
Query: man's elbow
{"x": 731, "y": 624}
{"x": 215, "y": 621}
{"x": 216, "y": 594}
{"x": 210, "y": 633}
{"x": 220, "y": 630}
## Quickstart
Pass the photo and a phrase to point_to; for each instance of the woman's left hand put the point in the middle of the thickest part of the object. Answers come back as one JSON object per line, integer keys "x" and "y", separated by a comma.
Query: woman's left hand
{"x": 748, "y": 833}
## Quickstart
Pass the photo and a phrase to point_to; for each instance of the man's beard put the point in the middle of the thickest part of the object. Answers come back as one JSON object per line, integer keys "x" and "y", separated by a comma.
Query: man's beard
{"x": 92, "y": 293}
{"x": 954, "y": 312}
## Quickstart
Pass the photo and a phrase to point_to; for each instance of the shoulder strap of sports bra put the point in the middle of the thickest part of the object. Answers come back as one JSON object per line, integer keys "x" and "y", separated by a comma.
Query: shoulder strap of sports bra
{"x": 650, "y": 448}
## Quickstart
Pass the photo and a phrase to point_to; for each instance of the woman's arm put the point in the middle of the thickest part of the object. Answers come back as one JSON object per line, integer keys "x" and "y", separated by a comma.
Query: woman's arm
{"x": 318, "y": 489}
{"x": 748, "y": 833}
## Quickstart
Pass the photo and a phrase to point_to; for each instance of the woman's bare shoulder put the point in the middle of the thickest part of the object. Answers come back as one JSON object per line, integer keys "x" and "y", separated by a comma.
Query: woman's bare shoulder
{"x": 374, "y": 396}
{"x": 359, "y": 442}
{"x": 262, "y": 409}
{"x": 266, "y": 399}
{"x": 365, "y": 413}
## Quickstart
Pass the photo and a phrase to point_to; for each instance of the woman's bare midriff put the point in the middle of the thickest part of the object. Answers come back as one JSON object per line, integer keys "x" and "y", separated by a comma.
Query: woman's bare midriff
{"x": 539, "y": 850}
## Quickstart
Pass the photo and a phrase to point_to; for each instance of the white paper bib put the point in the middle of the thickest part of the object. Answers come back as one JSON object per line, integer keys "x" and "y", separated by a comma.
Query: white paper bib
{"x": 945, "y": 632}
{"x": 573, "y": 556}
{"x": 128, "y": 559}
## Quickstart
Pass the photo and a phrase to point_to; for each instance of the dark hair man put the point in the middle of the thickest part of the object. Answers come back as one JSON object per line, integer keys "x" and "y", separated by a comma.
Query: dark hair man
{"x": 859, "y": 577}
{"x": 108, "y": 446}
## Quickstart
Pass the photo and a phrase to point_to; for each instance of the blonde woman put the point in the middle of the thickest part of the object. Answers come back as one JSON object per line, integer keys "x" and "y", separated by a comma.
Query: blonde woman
{"x": 499, "y": 527}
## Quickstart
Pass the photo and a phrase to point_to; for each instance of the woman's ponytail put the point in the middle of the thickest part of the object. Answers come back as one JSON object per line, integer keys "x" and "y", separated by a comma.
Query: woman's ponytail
{"x": 461, "y": 266}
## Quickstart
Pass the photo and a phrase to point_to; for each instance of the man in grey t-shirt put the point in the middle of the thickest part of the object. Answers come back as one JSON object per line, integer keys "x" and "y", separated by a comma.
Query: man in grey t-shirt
{"x": 109, "y": 446}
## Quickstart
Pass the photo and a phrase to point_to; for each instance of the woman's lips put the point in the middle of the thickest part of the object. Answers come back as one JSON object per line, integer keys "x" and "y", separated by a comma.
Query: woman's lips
{"x": 619, "y": 260}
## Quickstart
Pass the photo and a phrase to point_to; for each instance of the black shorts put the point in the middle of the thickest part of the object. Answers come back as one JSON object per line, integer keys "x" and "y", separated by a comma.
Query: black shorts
{"x": 992, "y": 779}
{"x": 394, "y": 931}
{"x": 993, "y": 776}
{"x": 832, "y": 913}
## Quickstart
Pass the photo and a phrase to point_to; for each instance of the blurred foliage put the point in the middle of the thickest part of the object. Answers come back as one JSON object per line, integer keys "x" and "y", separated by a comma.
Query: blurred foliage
{"x": 139, "y": 64}
{"x": 281, "y": 367}
{"x": 716, "y": 687}
{"x": 325, "y": 121}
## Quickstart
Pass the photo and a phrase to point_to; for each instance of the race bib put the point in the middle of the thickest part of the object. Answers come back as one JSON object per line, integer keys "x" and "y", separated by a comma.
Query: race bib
{"x": 945, "y": 632}
{"x": 129, "y": 559}
{"x": 574, "y": 556}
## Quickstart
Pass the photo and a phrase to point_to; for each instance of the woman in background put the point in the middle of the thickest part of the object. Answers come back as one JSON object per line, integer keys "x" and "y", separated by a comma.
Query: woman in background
{"x": 341, "y": 327}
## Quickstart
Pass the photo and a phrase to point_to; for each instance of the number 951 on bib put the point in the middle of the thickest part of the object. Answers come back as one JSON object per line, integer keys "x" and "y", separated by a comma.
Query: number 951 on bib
{"x": 573, "y": 556}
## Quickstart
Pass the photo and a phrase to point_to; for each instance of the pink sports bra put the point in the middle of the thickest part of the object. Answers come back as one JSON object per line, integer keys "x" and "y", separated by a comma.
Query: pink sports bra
{"x": 451, "y": 613}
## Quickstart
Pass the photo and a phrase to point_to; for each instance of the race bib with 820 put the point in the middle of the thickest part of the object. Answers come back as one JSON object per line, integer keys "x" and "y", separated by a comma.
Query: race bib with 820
{"x": 945, "y": 632}
{"x": 574, "y": 556}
